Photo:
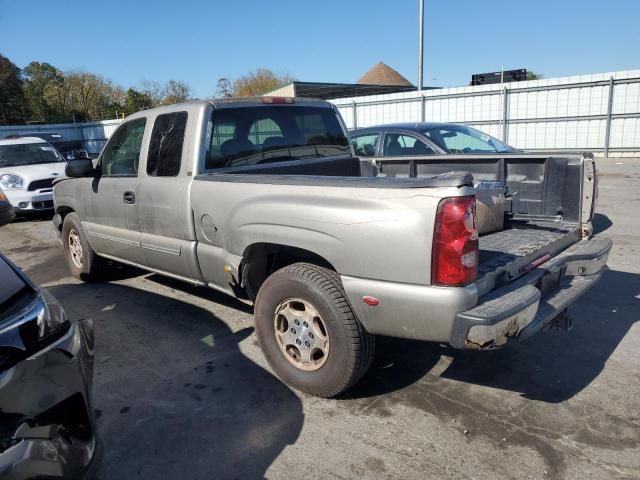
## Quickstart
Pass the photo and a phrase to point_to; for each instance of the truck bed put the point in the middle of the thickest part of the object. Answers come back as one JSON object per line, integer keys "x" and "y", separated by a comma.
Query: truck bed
{"x": 511, "y": 250}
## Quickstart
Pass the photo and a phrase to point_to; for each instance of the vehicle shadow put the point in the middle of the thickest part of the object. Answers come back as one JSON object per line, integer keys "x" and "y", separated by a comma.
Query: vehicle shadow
{"x": 36, "y": 216}
{"x": 550, "y": 366}
{"x": 601, "y": 223}
{"x": 176, "y": 396}
{"x": 202, "y": 292}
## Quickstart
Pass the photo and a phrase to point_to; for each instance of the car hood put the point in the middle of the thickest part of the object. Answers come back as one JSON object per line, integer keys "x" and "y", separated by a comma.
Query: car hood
{"x": 37, "y": 171}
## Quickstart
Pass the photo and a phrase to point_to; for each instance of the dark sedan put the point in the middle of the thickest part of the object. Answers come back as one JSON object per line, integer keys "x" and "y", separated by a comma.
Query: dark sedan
{"x": 424, "y": 138}
{"x": 47, "y": 422}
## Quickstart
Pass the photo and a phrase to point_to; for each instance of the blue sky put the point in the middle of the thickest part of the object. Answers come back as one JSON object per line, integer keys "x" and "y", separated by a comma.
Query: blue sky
{"x": 328, "y": 40}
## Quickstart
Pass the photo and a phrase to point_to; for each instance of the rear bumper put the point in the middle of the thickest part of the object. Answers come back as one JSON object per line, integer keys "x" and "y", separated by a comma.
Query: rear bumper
{"x": 47, "y": 413}
{"x": 524, "y": 307}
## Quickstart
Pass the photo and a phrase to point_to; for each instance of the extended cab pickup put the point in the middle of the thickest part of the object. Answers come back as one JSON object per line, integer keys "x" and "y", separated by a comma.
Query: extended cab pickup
{"x": 264, "y": 199}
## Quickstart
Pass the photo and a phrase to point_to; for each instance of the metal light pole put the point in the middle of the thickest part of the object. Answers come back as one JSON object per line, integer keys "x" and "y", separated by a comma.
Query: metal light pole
{"x": 421, "y": 45}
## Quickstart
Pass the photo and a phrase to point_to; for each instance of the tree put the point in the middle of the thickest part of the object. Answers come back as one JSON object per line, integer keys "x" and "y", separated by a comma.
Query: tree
{"x": 259, "y": 82}
{"x": 12, "y": 101}
{"x": 534, "y": 75}
{"x": 58, "y": 96}
{"x": 135, "y": 101}
{"x": 37, "y": 78}
{"x": 176, "y": 91}
{"x": 224, "y": 89}
{"x": 153, "y": 90}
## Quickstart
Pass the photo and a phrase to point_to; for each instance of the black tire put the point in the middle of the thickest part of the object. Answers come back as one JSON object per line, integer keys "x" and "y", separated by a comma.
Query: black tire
{"x": 92, "y": 267}
{"x": 351, "y": 346}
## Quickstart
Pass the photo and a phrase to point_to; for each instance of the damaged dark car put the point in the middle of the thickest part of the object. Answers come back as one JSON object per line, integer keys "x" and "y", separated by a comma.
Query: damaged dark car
{"x": 47, "y": 422}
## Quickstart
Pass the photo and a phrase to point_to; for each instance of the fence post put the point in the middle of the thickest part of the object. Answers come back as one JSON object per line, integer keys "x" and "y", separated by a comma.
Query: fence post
{"x": 505, "y": 113}
{"x": 423, "y": 105}
{"x": 607, "y": 133}
{"x": 355, "y": 115}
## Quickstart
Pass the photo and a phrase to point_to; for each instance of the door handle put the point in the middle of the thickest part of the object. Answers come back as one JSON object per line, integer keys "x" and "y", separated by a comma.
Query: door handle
{"x": 129, "y": 197}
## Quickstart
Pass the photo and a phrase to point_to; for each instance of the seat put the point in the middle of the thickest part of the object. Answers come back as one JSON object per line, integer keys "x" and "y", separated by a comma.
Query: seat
{"x": 273, "y": 143}
{"x": 393, "y": 148}
{"x": 235, "y": 148}
{"x": 419, "y": 148}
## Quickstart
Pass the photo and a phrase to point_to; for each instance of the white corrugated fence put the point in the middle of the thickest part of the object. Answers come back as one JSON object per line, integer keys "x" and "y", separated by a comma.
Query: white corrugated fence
{"x": 598, "y": 112}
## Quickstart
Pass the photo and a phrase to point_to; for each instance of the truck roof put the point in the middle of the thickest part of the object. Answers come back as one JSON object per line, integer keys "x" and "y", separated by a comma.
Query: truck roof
{"x": 233, "y": 102}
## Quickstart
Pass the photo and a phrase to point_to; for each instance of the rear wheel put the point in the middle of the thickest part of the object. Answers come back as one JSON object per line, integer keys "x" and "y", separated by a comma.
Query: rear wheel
{"x": 83, "y": 262}
{"x": 308, "y": 331}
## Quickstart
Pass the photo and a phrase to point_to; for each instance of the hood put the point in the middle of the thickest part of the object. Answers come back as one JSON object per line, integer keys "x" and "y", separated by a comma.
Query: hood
{"x": 37, "y": 171}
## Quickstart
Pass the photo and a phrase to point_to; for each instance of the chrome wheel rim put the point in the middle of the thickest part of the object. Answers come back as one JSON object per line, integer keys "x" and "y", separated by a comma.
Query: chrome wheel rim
{"x": 301, "y": 334}
{"x": 75, "y": 248}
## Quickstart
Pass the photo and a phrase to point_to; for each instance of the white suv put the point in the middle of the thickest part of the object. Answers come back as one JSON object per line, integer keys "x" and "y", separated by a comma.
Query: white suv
{"x": 28, "y": 167}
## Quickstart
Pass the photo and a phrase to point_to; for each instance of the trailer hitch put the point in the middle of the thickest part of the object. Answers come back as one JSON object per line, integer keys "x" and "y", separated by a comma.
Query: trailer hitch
{"x": 564, "y": 321}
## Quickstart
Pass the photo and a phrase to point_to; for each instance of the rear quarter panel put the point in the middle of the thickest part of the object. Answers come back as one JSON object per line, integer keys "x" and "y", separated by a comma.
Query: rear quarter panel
{"x": 371, "y": 233}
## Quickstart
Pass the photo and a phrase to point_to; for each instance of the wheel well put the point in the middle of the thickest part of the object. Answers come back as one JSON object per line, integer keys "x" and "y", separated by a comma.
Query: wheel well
{"x": 63, "y": 212}
{"x": 262, "y": 259}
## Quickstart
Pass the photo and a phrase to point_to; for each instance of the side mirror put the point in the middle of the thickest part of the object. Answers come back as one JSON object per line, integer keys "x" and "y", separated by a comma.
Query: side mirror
{"x": 79, "y": 168}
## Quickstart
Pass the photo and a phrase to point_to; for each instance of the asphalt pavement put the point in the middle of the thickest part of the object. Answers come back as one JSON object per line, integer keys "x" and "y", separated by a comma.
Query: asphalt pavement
{"x": 183, "y": 392}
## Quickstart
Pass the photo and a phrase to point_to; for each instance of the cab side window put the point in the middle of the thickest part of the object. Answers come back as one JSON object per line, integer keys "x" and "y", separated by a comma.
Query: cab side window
{"x": 165, "y": 146}
{"x": 365, "y": 145}
{"x": 121, "y": 155}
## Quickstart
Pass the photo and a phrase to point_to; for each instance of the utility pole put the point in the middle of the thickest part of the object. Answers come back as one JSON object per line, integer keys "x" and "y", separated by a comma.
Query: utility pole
{"x": 421, "y": 45}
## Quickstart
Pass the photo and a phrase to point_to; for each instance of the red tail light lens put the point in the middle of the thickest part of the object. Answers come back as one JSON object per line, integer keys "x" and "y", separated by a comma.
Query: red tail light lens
{"x": 454, "y": 260}
{"x": 278, "y": 100}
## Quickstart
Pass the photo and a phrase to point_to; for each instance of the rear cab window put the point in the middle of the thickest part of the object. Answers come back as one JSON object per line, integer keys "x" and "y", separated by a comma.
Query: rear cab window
{"x": 252, "y": 135}
{"x": 165, "y": 147}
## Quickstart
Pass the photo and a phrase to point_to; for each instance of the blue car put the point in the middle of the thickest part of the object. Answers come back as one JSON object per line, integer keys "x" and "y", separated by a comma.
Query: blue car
{"x": 424, "y": 138}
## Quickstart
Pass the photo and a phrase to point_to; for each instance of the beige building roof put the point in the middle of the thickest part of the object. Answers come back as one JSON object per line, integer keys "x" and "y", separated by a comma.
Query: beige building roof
{"x": 383, "y": 74}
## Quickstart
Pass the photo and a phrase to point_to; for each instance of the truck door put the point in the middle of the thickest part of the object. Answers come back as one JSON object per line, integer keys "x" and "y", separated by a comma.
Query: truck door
{"x": 112, "y": 223}
{"x": 167, "y": 235}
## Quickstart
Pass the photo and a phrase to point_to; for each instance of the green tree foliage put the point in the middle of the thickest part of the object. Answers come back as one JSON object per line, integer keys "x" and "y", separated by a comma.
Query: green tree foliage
{"x": 259, "y": 82}
{"x": 43, "y": 93}
{"x": 12, "y": 101}
{"x": 38, "y": 77}
{"x": 135, "y": 101}
{"x": 534, "y": 75}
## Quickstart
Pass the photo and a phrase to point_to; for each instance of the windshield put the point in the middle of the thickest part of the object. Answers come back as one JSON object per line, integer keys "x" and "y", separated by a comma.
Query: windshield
{"x": 28, "y": 154}
{"x": 461, "y": 139}
{"x": 251, "y": 135}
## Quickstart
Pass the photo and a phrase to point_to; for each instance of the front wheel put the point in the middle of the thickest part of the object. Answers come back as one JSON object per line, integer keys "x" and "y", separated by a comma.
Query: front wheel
{"x": 308, "y": 331}
{"x": 83, "y": 262}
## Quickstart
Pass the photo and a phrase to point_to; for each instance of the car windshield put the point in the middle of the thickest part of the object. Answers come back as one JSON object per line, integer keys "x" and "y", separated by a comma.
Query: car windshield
{"x": 28, "y": 154}
{"x": 461, "y": 139}
{"x": 262, "y": 134}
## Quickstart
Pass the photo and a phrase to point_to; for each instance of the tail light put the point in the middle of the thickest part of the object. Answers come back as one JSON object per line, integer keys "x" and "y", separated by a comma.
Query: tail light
{"x": 454, "y": 260}
{"x": 278, "y": 100}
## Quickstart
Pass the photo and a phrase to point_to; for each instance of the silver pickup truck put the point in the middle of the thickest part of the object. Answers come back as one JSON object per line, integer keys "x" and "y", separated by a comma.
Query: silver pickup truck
{"x": 264, "y": 199}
